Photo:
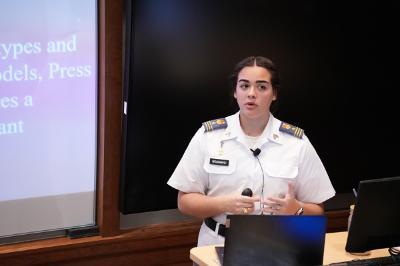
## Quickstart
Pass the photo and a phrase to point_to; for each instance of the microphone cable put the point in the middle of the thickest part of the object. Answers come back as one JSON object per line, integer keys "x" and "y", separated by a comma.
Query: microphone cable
{"x": 256, "y": 152}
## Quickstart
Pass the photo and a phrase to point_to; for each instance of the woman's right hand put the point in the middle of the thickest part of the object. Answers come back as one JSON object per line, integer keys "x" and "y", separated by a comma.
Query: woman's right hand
{"x": 238, "y": 204}
{"x": 202, "y": 206}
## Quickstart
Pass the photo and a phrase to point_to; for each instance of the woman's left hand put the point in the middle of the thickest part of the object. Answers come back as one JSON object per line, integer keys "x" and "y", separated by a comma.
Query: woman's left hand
{"x": 288, "y": 205}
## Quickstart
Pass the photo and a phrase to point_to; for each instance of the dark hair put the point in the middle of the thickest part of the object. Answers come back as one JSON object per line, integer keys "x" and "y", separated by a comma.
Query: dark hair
{"x": 259, "y": 61}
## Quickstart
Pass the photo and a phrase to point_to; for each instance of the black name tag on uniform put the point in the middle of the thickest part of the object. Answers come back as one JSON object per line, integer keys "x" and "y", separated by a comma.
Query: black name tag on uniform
{"x": 219, "y": 162}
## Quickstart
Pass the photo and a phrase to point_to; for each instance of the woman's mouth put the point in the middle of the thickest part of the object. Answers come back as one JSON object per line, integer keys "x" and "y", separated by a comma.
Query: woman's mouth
{"x": 250, "y": 105}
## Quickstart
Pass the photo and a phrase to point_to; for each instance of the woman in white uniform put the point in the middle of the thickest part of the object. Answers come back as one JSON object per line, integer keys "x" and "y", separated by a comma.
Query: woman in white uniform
{"x": 250, "y": 149}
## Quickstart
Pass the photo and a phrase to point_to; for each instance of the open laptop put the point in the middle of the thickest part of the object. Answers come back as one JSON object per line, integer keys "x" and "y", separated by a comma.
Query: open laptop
{"x": 274, "y": 240}
{"x": 376, "y": 217}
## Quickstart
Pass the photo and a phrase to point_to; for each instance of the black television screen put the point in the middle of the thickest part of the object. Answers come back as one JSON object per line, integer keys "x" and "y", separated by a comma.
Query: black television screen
{"x": 338, "y": 62}
{"x": 376, "y": 216}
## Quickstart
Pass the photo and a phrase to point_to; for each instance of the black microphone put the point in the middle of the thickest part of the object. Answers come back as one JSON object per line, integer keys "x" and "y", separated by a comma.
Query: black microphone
{"x": 247, "y": 192}
{"x": 256, "y": 152}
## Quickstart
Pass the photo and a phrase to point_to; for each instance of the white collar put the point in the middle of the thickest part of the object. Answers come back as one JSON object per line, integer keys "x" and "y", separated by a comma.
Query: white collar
{"x": 270, "y": 133}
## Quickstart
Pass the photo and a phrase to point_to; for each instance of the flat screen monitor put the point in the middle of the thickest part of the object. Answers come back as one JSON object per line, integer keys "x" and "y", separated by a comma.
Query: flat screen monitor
{"x": 376, "y": 217}
{"x": 339, "y": 76}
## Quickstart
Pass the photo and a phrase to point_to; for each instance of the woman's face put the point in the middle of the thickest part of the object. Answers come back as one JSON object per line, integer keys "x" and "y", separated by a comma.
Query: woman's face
{"x": 254, "y": 93}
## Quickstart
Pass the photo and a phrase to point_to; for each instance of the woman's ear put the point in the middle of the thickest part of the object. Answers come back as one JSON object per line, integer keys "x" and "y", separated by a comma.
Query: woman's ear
{"x": 234, "y": 95}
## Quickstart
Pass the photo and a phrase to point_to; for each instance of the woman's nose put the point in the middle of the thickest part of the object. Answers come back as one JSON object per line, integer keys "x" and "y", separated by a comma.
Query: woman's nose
{"x": 252, "y": 92}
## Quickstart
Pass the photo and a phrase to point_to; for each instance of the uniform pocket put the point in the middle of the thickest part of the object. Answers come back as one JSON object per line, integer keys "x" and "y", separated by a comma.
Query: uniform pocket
{"x": 278, "y": 177}
{"x": 282, "y": 170}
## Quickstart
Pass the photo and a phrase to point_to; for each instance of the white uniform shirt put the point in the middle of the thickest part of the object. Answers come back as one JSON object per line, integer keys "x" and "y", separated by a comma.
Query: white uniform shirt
{"x": 283, "y": 158}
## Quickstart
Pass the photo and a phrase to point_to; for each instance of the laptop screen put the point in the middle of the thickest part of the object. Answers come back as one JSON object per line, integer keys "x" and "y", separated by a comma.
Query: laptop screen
{"x": 274, "y": 240}
{"x": 376, "y": 216}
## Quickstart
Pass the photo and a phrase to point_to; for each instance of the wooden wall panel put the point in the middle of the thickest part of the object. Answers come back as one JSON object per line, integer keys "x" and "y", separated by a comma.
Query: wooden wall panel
{"x": 164, "y": 244}
{"x": 167, "y": 244}
{"x": 110, "y": 115}
{"x": 337, "y": 220}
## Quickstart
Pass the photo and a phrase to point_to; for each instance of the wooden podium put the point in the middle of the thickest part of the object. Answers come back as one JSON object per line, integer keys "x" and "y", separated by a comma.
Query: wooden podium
{"x": 334, "y": 252}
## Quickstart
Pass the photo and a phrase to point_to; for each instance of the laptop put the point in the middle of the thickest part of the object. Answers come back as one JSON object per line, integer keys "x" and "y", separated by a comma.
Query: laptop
{"x": 376, "y": 216}
{"x": 274, "y": 240}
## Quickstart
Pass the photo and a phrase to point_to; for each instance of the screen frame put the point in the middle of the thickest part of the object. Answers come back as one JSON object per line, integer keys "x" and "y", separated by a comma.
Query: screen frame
{"x": 376, "y": 216}
{"x": 95, "y": 211}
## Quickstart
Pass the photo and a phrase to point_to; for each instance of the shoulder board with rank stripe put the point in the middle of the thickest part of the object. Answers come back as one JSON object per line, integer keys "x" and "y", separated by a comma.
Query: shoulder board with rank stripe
{"x": 215, "y": 124}
{"x": 292, "y": 130}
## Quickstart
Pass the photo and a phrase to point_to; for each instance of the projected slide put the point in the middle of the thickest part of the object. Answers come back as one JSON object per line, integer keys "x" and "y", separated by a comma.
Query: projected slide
{"x": 48, "y": 112}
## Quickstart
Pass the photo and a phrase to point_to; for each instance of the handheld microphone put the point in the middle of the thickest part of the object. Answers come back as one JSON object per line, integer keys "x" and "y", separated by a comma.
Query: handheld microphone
{"x": 256, "y": 152}
{"x": 247, "y": 192}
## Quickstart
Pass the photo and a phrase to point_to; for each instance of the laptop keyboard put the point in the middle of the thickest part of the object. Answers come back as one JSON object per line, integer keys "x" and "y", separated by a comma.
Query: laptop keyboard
{"x": 381, "y": 261}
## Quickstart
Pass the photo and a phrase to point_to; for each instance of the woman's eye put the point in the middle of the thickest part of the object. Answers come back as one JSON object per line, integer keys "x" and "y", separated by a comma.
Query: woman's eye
{"x": 244, "y": 86}
{"x": 262, "y": 87}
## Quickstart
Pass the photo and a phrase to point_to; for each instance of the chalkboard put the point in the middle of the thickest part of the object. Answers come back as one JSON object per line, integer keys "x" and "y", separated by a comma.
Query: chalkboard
{"x": 338, "y": 62}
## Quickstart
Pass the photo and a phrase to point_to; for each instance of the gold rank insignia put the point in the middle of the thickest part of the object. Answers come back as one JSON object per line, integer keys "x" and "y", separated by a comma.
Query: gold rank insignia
{"x": 215, "y": 124}
{"x": 292, "y": 130}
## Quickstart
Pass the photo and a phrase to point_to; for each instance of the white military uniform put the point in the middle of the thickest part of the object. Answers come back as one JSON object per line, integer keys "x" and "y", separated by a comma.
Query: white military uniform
{"x": 283, "y": 158}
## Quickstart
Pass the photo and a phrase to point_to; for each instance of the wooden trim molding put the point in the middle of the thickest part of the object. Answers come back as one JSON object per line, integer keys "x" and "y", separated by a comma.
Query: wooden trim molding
{"x": 166, "y": 244}
{"x": 163, "y": 244}
{"x": 110, "y": 115}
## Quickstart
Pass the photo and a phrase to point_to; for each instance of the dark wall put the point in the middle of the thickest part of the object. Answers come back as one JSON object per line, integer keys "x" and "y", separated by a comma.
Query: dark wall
{"x": 338, "y": 62}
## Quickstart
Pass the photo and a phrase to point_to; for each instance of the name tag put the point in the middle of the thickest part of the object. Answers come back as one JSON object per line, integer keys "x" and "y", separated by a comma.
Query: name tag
{"x": 219, "y": 162}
